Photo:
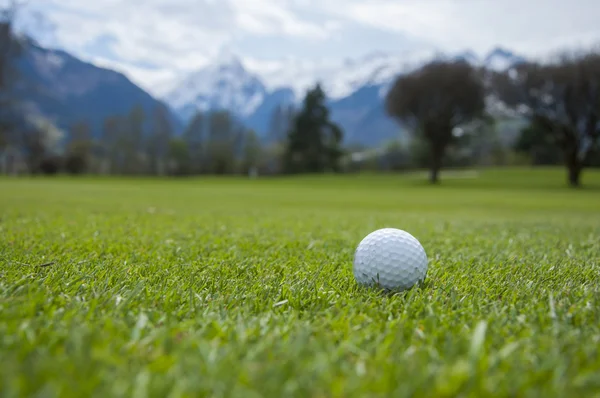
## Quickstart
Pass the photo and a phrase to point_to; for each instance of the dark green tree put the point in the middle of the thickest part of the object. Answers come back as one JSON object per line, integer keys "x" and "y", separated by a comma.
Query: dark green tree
{"x": 435, "y": 100}
{"x": 314, "y": 141}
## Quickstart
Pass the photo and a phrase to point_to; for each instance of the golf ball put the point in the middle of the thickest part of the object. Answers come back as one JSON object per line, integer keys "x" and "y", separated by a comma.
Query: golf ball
{"x": 390, "y": 258}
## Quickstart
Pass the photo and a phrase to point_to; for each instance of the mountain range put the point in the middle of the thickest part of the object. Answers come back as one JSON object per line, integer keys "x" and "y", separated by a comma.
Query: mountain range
{"x": 70, "y": 90}
{"x": 355, "y": 89}
{"x": 66, "y": 90}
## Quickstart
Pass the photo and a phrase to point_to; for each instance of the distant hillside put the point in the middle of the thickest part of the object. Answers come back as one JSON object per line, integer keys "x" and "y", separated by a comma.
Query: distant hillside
{"x": 66, "y": 90}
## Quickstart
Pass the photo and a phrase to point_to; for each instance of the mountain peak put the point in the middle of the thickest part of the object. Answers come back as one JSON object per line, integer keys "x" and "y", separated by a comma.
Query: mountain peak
{"x": 222, "y": 84}
{"x": 500, "y": 51}
{"x": 500, "y": 58}
{"x": 467, "y": 56}
{"x": 227, "y": 57}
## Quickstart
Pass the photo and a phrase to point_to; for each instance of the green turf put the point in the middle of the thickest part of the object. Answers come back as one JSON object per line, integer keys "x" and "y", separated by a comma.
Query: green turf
{"x": 232, "y": 287}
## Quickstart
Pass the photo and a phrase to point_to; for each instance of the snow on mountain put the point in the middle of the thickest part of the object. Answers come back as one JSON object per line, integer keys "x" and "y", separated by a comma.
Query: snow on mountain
{"x": 227, "y": 83}
{"x": 355, "y": 87}
{"x": 224, "y": 84}
{"x": 340, "y": 78}
{"x": 501, "y": 59}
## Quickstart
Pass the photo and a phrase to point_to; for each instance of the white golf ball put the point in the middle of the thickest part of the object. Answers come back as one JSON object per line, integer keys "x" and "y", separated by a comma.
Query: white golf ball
{"x": 390, "y": 258}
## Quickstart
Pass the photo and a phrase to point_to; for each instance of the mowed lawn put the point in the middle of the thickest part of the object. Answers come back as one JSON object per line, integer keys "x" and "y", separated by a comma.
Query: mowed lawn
{"x": 234, "y": 287}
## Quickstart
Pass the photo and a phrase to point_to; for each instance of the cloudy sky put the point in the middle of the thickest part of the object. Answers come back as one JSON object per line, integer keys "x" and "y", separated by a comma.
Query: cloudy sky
{"x": 156, "y": 41}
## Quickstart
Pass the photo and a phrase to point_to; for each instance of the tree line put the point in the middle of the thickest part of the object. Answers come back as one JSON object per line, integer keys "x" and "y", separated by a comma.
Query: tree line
{"x": 443, "y": 105}
{"x": 560, "y": 101}
{"x": 213, "y": 142}
{"x": 142, "y": 141}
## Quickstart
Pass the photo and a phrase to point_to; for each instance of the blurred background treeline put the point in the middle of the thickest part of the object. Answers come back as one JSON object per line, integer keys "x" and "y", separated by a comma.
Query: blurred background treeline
{"x": 457, "y": 115}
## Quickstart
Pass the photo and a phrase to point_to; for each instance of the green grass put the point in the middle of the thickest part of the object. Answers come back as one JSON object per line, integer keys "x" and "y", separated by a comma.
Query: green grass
{"x": 231, "y": 287}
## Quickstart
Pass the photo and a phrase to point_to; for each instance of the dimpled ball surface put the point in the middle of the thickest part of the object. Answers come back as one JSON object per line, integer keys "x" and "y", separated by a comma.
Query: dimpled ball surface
{"x": 390, "y": 258}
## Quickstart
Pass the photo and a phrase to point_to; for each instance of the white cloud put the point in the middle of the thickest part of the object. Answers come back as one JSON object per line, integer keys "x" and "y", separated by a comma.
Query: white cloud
{"x": 267, "y": 17}
{"x": 156, "y": 81}
{"x": 149, "y": 32}
{"x": 528, "y": 26}
{"x": 178, "y": 36}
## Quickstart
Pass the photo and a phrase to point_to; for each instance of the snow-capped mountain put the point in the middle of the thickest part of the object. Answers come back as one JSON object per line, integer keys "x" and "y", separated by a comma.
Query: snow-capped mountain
{"x": 355, "y": 88}
{"x": 501, "y": 59}
{"x": 66, "y": 90}
{"x": 224, "y": 84}
{"x": 340, "y": 78}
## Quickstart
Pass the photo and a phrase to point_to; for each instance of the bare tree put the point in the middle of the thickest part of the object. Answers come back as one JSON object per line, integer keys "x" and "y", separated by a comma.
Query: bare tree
{"x": 113, "y": 138}
{"x": 280, "y": 123}
{"x": 434, "y": 100}
{"x": 223, "y": 136}
{"x": 32, "y": 141}
{"x": 131, "y": 139}
{"x": 195, "y": 139}
{"x": 251, "y": 152}
{"x": 158, "y": 141}
{"x": 38, "y": 140}
{"x": 79, "y": 148}
{"x": 562, "y": 99}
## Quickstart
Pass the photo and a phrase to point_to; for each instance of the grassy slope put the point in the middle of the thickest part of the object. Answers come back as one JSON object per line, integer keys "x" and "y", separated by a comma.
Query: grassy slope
{"x": 233, "y": 287}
